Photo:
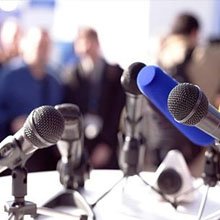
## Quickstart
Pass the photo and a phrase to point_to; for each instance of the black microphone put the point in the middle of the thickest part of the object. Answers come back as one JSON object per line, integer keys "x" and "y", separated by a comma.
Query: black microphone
{"x": 73, "y": 166}
{"x": 189, "y": 105}
{"x": 43, "y": 128}
{"x": 131, "y": 155}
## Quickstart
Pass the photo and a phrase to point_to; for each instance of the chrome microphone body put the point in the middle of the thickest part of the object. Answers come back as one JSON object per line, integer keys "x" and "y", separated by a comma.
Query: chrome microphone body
{"x": 43, "y": 128}
{"x": 211, "y": 122}
{"x": 133, "y": 108}
{"x": 132, "y": 150}
{"x": 71, "y": 143}
{"x": 73, "y": 167}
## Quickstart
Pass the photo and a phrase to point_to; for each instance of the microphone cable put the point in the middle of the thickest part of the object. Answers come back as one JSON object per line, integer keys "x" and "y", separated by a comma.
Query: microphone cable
{"x": 203, "y": 203}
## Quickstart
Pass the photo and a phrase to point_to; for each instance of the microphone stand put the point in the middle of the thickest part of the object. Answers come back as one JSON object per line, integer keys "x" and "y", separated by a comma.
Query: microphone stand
{"x": 211, "y": 174}
{"x": 72, "y": 178}
{"x": 129, "y": 152}
{"x": 18, "y": 208}
{"x": 131, "y": 160}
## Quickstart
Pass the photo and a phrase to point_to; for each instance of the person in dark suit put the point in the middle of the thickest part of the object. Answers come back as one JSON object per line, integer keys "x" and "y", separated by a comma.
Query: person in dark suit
{"x": 94, "y": 85}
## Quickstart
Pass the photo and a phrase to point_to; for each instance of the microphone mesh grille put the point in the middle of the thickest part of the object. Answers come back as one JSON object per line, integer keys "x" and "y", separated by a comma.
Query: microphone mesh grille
{"x": 46, "y": 122}
{"x": 182, "y": 101}
{"x": 129, "y": 78}
{"x": 72, "y": 121}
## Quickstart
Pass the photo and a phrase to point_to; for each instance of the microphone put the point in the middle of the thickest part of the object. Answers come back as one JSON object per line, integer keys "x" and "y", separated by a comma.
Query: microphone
{"x": 73, "y": 166}
{"x": 131, "y": 156}
{"x": 189, "y": 105}
{"x": 42, "y": 128}
{"x": 156, "y": 85}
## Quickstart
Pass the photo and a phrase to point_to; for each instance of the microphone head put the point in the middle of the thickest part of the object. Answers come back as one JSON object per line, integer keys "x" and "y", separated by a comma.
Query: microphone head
{"x": 187, "y": 104}
{"x": 44, "y": 126}
{"x": 129, "y": 78}
{"x": 72, "y": 121}
{"x": 156, "y": 85}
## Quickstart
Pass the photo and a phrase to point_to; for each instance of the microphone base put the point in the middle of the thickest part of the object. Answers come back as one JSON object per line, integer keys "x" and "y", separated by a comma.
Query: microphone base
{"x": 72, "y": 198}
{"x": 19, "y": 211}
{"x": 18, "y": 208}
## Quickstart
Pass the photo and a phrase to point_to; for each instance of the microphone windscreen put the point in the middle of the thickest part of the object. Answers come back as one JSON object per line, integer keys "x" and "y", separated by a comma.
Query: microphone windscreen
{"x": 187, "y": 111}
{"x": 156, "y": 85}
{"x": 129, "y": 78}
{"x": 72, "y": 121}
{"x": 44, "y": 126}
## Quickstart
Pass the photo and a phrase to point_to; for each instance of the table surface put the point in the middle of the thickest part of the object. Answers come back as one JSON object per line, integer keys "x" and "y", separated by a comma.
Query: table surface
{"x": 131, "y": 199}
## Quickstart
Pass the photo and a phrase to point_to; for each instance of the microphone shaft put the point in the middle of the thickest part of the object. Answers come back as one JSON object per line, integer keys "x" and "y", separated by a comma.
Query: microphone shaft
{"x": 70, "y": 151}
{"x": 11, "y": 154}
{"x": 133, "y": 115}
{"x": 211, "y": 123}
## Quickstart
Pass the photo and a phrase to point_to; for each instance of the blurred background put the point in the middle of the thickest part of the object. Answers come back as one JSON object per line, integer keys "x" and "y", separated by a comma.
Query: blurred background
{"x": 128, "y": 29}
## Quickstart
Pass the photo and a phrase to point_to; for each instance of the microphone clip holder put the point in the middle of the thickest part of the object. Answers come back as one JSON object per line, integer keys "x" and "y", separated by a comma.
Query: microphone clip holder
{"x": 73, "y": 176}
{"x": 19, "y": 207}
{"x": 131, "y": 158}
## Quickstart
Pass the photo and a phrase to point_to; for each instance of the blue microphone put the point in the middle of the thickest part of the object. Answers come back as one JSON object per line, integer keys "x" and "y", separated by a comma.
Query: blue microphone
{"x": 156, "y": 85}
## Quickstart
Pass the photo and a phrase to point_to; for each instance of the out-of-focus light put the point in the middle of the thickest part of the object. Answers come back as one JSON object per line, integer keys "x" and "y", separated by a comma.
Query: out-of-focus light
{"x": 9, "y": 5}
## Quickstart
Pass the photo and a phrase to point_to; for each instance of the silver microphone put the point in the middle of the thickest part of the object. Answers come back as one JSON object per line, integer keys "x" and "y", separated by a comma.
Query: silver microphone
{"x": 43, "y": 128}
{"x": 189, "y": 105}
{"x": 131, "y": 155}
{"x": 134, "y": 100}
{"x": 71, "y": 143}
{"x": 73, "y": 167}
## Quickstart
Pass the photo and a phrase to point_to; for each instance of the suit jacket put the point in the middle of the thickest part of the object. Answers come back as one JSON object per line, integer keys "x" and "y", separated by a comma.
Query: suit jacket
{"x": 105, "y": 99}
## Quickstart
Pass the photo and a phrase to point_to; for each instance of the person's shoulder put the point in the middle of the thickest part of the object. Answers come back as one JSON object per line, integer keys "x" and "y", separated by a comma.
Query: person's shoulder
{"x": 53, "y": 77}
{"x": 52, "y": 72}
{"x": 12, "y": 73}
{"x": 14, "y": 63}
{"x": 115, "y": 67}
{"x": 114, "y": 71}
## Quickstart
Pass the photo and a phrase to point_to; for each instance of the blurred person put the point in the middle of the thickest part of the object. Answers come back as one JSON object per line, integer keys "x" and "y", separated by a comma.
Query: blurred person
{"x": 10, "y": 36}
{"x": 94, "y": 85}
{"x": 204, "y": 70}
{"x": 27, "y": 87}
{"x": 176, "y": 48}
{"x": 174, "y": 57}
